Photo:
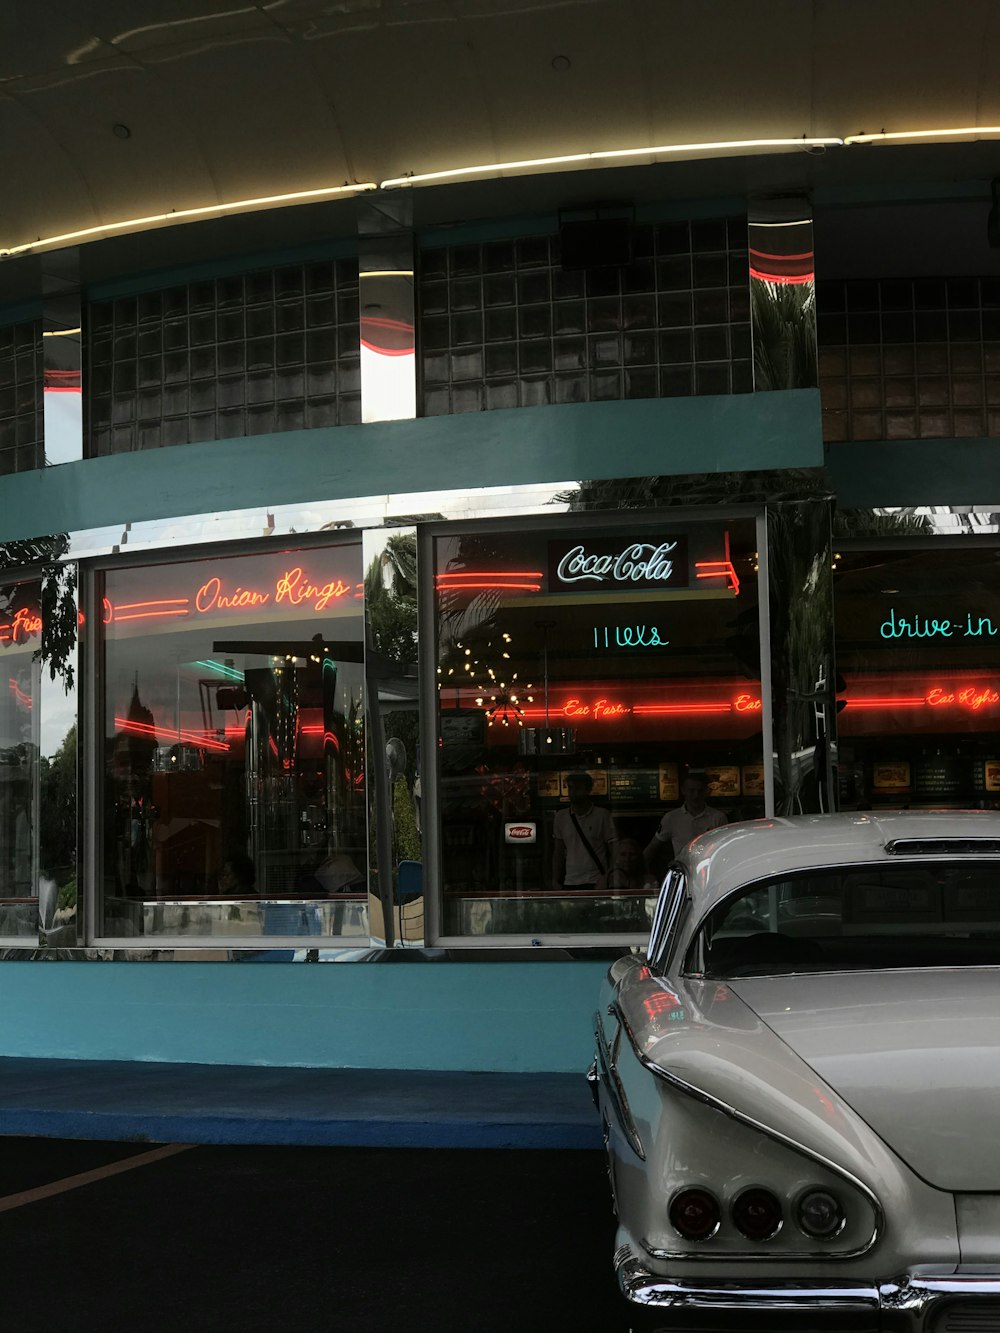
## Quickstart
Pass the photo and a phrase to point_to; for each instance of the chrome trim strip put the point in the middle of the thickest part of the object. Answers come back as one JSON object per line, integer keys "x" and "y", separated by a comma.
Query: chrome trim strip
{"x": 333, "y": 950}
{"x": 949, "y": 847}
{"x": 766, "y": 687}
{"x": 757, "y": 1256}
{"x": 707, "y": 1099}
{"x": 665, "y": 919}
{"x": 909, "y": 1302}
{"x": 906, "y": 1302}
{"x": 858, "y": 1304}
{"x": 613, "y": 1084}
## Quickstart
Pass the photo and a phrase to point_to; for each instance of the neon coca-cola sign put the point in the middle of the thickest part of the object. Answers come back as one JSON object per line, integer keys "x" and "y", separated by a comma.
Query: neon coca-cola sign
{"x": 636, "y": 563}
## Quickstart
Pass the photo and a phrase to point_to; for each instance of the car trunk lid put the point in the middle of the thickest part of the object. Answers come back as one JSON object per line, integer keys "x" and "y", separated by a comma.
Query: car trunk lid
{"x": 915, "y": 1053}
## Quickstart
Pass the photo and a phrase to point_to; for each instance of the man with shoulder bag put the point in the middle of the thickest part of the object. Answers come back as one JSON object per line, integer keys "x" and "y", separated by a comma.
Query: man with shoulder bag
{"x": 584, "y": 838}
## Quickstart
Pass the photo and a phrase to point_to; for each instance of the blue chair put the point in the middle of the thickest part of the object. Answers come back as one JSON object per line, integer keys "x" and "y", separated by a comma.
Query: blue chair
{"x": 409, "y": 881}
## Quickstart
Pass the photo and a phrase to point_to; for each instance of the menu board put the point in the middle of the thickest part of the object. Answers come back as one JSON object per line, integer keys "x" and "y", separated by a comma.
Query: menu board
{"x": 753, "y": 779}
{"x": 891, "y": 776}
{"x": 986, "y": 775}
{"x": 670, "y": 789}
{"x": 599, "y": 777}
{"x": 724, "y": 781}
{"x": 944, "y": 775}
{"x": 634, "y": 785}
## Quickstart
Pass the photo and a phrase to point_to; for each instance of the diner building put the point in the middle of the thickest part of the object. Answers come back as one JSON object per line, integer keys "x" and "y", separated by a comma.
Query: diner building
{"x": 342, "y": 523}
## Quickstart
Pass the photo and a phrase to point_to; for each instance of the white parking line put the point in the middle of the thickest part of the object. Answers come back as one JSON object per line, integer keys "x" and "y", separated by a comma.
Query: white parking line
{"x": 68, "y": 1183}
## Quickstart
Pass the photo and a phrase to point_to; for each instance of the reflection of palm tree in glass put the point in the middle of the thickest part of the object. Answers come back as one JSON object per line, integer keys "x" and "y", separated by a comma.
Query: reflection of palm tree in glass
{"x": 768, "y": 486}
{"x": 460, "y": 614}
{"x": 784, "y": 334}
{"x": 58, "y": 599}
{"x": 391, "y": 599}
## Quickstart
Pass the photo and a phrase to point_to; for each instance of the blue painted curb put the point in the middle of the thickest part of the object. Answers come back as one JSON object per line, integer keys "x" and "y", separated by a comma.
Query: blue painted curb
{"x": 176, "y": 1103}
{"x": 297, "y": 1133}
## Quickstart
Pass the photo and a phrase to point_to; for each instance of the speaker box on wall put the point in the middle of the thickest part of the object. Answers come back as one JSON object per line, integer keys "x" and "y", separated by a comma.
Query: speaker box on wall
{"x": 596, "y": 243}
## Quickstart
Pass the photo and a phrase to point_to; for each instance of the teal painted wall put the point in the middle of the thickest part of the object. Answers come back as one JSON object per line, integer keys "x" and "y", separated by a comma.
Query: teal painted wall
{"x": 656, "y": 436}
{"x": 890, "y": 473}
{"x": 508, "y": 1017}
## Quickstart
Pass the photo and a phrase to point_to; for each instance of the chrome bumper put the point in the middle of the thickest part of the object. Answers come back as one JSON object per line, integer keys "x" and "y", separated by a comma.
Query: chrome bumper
{"x": 917, "y": 1302}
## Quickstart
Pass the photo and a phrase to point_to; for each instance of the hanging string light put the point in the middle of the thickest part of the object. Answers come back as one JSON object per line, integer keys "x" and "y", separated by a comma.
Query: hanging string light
{"x": 498, "y": 695}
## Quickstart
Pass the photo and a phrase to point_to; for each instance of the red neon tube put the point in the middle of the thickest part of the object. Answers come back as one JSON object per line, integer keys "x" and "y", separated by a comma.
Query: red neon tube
{"x": 494, "y": 574}
{"x": 458, "y": 587}
{"x": 179, "y": 736}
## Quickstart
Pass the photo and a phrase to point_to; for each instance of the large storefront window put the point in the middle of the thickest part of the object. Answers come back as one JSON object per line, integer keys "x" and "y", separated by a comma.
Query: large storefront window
{"x": 918, "y": 650}
{"x": 233, "y": 724}
{"x": 619, "y": 657}
{"x": 20, "y": 630}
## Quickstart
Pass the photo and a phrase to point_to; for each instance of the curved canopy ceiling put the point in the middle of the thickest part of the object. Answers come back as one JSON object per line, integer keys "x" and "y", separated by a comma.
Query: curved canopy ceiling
{"x": 113, "y": 110}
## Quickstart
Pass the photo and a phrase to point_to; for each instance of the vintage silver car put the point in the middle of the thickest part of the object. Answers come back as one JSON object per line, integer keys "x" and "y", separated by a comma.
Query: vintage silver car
{"x": 799, "y": 1083}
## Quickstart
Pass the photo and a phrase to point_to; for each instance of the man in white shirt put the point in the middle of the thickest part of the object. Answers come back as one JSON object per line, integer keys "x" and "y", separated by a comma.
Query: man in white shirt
{"x": 575, "y": 865}
{"x": 678, "y": 827}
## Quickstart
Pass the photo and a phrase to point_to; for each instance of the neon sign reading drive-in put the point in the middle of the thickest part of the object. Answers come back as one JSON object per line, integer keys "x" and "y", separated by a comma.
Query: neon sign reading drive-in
{"x": 899, "y": 626}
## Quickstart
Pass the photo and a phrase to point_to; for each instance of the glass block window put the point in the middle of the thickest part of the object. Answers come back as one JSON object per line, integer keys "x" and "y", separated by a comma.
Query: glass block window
{"x": 275, "y": 350}
{"x": 903, "y": 359}
{"x": 502, "y": 325}
{"x": 21, "y": 417}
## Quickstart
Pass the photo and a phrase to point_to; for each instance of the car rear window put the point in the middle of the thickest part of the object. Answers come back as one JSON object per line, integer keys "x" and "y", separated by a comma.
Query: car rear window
{"x": 926, "y": 914}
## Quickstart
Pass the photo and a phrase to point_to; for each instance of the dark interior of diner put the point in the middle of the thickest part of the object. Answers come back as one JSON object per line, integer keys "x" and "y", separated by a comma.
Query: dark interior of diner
{"x": 918, "y": 632}
{"x": 234, "y": 745}
{"x": 637, "y": 685}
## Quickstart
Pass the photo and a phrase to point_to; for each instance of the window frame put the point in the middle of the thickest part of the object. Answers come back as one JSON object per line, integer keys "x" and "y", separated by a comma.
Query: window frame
{"x": 93, "y": 713}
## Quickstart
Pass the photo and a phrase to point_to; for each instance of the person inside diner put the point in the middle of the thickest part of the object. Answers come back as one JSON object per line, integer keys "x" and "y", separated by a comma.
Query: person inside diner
{"x": 584, "y": 838}
{"x": 238, "y": 875}
{"x": 629, "y": 872}
{"x": 679, "y": 826}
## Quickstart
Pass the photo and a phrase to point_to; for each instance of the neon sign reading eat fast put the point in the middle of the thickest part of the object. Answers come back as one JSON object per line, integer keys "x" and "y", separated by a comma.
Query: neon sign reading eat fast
{"x": 602, "y": 709}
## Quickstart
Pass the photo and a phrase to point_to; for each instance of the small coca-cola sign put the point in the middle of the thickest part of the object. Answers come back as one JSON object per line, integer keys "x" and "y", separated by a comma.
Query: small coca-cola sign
{"x": 520, "y": 832}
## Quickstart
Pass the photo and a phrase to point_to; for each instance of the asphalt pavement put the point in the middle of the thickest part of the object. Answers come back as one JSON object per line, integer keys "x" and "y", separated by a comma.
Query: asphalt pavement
{"x": 115, "y": 1236}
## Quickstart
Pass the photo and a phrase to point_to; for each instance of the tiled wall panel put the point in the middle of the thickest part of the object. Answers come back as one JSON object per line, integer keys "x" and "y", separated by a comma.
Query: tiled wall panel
{"x": 247, "y": 354}
{"x": 502, "y": 325}
{"x": 21, "y": 426}
{"x": 909, "y": 359}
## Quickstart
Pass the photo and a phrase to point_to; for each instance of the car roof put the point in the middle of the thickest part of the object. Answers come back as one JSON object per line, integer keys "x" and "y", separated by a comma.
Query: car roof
{"x": 736, "y": 854}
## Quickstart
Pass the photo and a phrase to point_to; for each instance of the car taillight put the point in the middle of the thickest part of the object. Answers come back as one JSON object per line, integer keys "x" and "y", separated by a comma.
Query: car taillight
{"x": 757, "y": 1214}
{"x": 695, "y": 1214}
{"x": 820, "y": 1214}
